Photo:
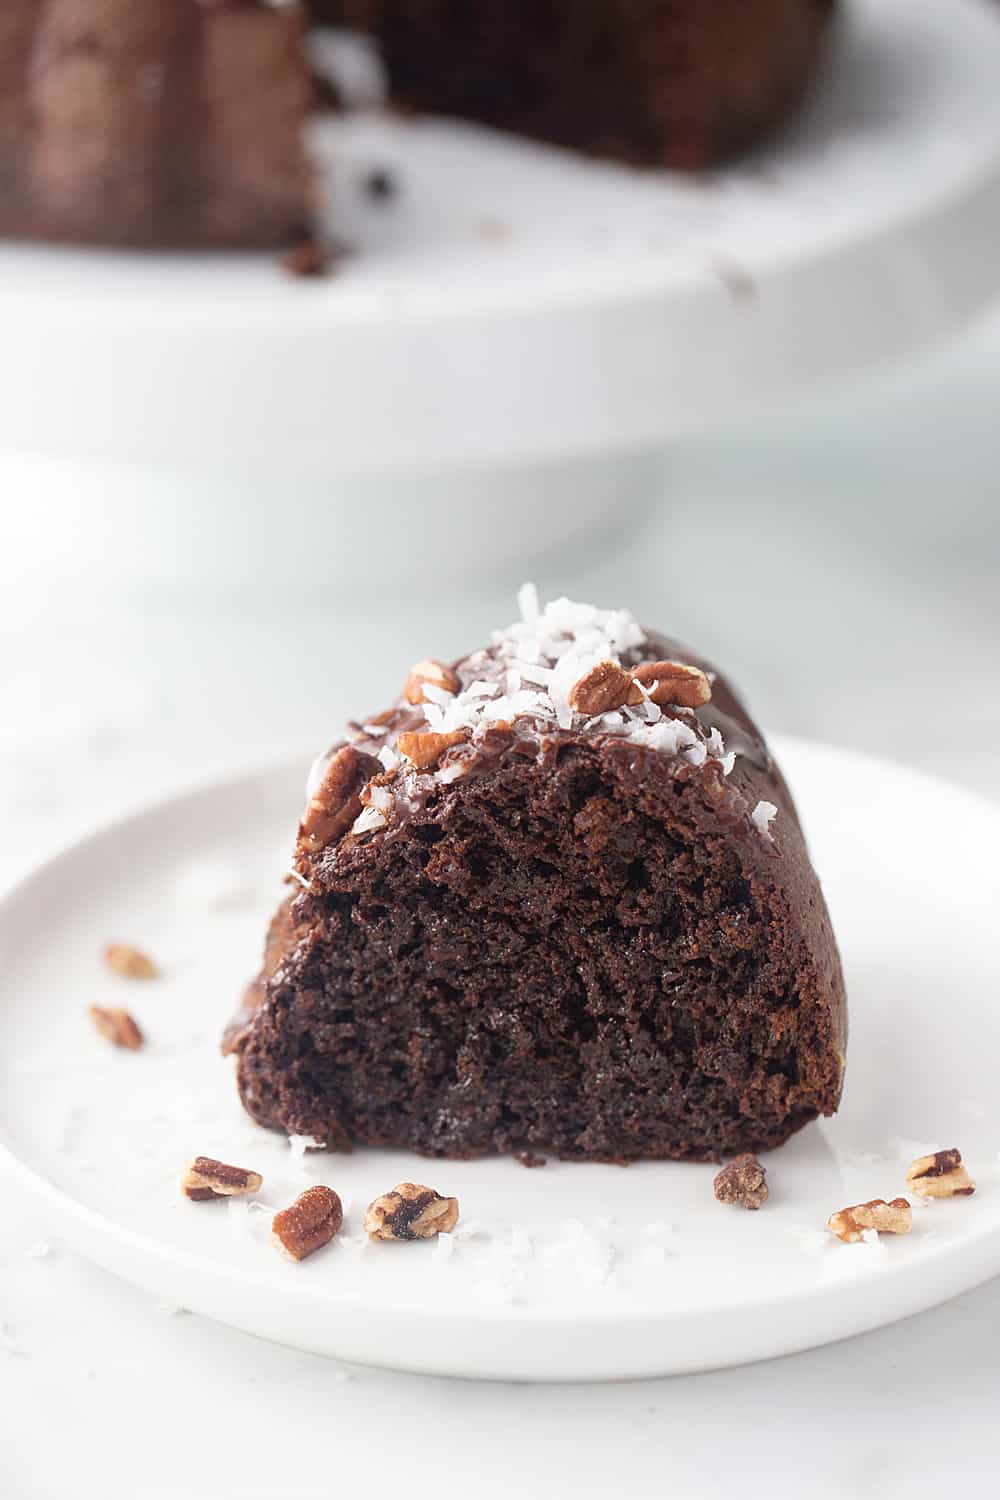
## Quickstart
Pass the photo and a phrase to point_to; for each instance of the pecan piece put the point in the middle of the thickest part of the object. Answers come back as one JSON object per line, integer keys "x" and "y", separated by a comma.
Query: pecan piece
{"x": 425, "y": 749}
{"x": 410, "y": 1212}
{"x": 206, "y": 1179}
{"x": 336, "y": 802}
{"x": 601, "y": 690}
{"x": 743, "y": 1181}
{"x": 433, "y": 672}
{"x": 671, "y": 682}
{"x": 941, "y": 1175}
{"x": 118, "y": 1026}
{"x": 849, "y": 1224}
{"x": 130, "y": 962}
{"x": 309, "y": 1223}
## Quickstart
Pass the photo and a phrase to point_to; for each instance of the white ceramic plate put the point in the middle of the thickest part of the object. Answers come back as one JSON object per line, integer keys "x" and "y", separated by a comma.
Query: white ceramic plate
{"x": 564, "y": 1272}
{"x": 518, "y": 304}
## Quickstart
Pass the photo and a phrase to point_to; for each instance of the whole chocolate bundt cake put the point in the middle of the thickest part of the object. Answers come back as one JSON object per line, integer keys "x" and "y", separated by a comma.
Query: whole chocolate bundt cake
{"x": 678, "y": 83}
{"x": 555, "y": 898}
{"x": 153, "y": 122}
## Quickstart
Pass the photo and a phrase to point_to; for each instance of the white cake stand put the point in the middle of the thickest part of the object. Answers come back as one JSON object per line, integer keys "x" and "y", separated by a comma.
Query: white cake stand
{"x": 518, "y": 324}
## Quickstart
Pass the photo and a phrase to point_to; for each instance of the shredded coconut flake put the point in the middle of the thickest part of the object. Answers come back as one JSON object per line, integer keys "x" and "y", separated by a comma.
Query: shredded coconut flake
{"x": 762, "y": 815}
{"x": 298, "y": 1145}
{"x": 368, "y": 820}
{"x": 541, "y": 657}
{"x": 527, "y": 603}
{"x": 8, "y": 1343}
{"x": 438, "y": 695}
{"x": 579, "y": 1249}
{"x": 451, "y": 772}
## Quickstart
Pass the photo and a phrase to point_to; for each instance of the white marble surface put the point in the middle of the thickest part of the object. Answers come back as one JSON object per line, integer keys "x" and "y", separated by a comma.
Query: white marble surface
{"x": 850, "y": 580}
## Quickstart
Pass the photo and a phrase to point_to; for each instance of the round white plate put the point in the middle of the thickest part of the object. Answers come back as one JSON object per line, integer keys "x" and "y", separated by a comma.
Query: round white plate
{"x": 516, "y": 303}
{"x": 564, "y": 1272}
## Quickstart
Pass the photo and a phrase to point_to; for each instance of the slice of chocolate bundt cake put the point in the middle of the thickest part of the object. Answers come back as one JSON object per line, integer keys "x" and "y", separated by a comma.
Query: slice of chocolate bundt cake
{"x": 555, "y": 898}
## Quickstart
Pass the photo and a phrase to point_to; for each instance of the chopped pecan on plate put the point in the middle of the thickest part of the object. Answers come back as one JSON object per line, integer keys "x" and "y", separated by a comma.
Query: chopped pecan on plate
{"x": 117, "y": 1026}
{"x": 411, "y": 1212}
{"x": 940, "y": 1175}
{"x": 851, "y": 1224}
{"x": 309, "y": 1223}
{"x": 207, "y": 1179}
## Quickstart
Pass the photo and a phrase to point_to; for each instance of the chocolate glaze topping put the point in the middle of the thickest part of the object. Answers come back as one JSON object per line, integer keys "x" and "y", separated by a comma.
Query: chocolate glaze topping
{"x": 539, "y": 724}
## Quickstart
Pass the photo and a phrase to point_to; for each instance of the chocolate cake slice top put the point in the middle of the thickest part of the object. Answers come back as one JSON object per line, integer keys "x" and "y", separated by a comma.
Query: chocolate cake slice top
{"x": 516, "y": 695}
{"x": 556, "y": 897}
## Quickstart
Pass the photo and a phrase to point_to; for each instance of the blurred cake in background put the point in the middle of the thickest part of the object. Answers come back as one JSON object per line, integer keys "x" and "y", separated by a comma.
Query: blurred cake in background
{"x": 670, "y": 83}
{"x": 179, "y": 122}
{"x": 153, "y": 122}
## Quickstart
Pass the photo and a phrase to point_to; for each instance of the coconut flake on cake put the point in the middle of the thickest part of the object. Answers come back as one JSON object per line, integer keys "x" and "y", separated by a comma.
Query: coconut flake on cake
{"x": 762, "y": 817}
{"x": 537, "y": 660}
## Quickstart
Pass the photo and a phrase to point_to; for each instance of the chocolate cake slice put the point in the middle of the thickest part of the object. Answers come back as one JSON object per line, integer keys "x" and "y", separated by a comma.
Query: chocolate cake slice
{"x": 556, "y": 898}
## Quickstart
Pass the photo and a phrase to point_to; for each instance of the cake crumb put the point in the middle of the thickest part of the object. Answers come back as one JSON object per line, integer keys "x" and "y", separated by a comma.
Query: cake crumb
{"x": 309, "y": 257}
{"x": 326, "y": 95}
{"x": 494, "y": 230}
{"x": 530, "y": 1159}
{"x": 380, "y": 185}
{"x": 742, "y": 1181}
